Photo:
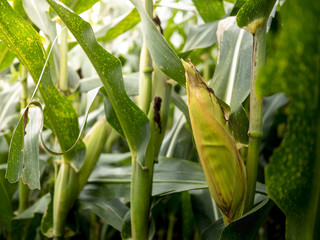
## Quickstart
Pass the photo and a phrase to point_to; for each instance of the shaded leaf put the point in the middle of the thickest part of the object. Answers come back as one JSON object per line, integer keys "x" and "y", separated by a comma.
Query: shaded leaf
{"x": 170, "y": 176}
{"x": 38, "y": 207}
{"x": 111, "y": 212}
{"x": 6, "y": 213}
{"x": 247, "y": 226}
{"x": 292, "y": 177}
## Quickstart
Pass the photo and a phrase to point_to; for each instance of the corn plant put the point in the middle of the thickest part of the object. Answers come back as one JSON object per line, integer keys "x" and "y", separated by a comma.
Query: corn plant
{"x": 159, "y": 119}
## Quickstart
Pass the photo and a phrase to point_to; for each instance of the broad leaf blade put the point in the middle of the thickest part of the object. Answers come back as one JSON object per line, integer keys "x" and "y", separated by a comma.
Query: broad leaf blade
{"x": 246, "y": 228}
{"x": 125, "y": 24}
{"x": 231, "y": 80}
{"x": 134, "y": 122}
{"x": 79, "y": 6}
{"x": 111, "y": 212}
{"x": 292, "y": 177}
{"x": 25, "y": 42}
{"x": 160, "y": 51}
{"x": 201, "y": 36}
{"x": 210, "y": 10}
{"x": 6, "y": 57}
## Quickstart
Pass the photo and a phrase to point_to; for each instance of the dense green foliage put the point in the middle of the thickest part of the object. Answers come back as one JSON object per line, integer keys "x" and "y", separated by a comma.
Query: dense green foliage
{"x": 103, "y": 134}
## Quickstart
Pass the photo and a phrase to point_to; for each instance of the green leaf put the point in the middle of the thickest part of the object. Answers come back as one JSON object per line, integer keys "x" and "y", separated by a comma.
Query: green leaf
{"x": 254, "y": 13}
{"x": 292, "y": 176}
{"x": 79, "y": 6}
{"x": 111, "y": 212}
{"x": 21, "y": 38}
{"x": 247, "y": 226}
{"x": 6, "y": 57}
{"x": 9, "y": 100}
{"x": 170, "y": 176}
{"x": 126, "y": 23}
{"x": 15, "y": 160}
{"x": 201, "y": 36}
{"x": 162, "y": 54}
{"x": 208, "y": 218}
{"x": 38, "y": 207}
{"x": 231, "y": 80}
{"x": 31, "y": 170}
{"x": 6, "y": 213}
{"x": 210, "y": 10}
{"x": 134, "y": 122}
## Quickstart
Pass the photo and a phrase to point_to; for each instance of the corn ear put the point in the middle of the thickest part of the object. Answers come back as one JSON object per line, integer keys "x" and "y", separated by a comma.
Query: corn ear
{"x": 223, "y": 167}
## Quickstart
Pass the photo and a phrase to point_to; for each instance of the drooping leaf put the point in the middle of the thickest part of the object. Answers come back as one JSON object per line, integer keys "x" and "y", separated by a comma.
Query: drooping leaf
{"x": 31, "y": 169}
{"x": 126, "y": 23}
{"x": 38, "y": 207}
{"x": 247, "y": 226}
{"x": 134, "y": 122}
{"x": 253, "y": 13}
{"x": 210, "y": 10}
{"x": 20, "y": 37}
{"x": 160, "y": 51}
{"x": 292, "y": 177}
{"x": 111, "y": 212}
{"x": 6, "y": 57}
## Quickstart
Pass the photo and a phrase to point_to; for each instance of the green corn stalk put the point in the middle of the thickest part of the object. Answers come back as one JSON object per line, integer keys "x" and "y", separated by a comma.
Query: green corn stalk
{"x": 222, "y": 164}
{"x": 253, "y": 17}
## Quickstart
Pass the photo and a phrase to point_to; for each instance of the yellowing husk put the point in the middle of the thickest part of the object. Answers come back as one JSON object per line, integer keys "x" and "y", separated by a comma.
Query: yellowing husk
{"x": 223, "y": 167}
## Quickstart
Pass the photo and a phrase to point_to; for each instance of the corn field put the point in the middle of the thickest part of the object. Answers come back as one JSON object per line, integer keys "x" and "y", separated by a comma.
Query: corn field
{"x": 159, "y": 119}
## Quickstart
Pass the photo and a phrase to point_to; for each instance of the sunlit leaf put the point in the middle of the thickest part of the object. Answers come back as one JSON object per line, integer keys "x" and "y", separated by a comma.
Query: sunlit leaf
{"x": 126, "y": 23}
{"x": 6, "y": 57}
{"x": 210, "y": 10}
{"x": 161, "y": 53}
{"x": 134, "y": 122}
{"x": 20, "y": 37}
{"x": 79, "y": 6}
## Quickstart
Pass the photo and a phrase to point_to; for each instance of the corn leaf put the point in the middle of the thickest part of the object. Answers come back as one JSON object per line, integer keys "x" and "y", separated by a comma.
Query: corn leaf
{"x": 247, "y": 227}
{"x": 292, "y": 177}
{"x": 201, "y": 36}
{"x": 231, "y": 79}
{"x": 6, "y": 57}
{"x": 210, "y": 10}
{"x": 162, "y": 54}
{"x": 170, "y": 176}
{"x": 79, "y": 6}
{"x": 111, "y": 212}
{"x": 126, "y": 23}
{"x": 6, "y": 213}
{"x": 25, "y": 42}
{"x": 134, "y": 122}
